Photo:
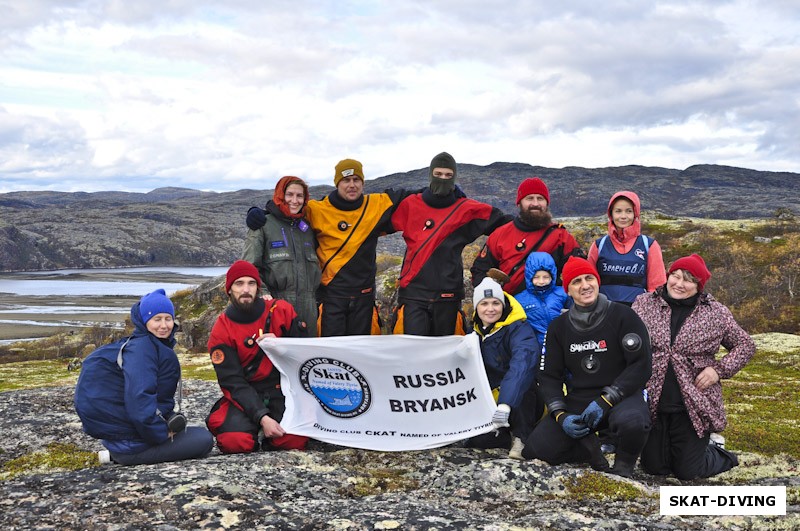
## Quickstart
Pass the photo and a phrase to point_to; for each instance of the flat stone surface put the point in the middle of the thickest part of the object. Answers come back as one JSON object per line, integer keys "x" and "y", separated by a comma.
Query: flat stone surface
{"x": 326, "y": 487}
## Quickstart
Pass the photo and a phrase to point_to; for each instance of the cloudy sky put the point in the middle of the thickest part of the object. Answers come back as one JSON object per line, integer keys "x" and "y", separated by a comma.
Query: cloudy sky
{"x": 135, "y": 95}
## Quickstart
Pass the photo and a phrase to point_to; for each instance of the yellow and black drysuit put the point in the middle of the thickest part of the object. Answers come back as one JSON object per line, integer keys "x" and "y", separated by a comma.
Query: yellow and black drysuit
{"x": 347, "y": 234}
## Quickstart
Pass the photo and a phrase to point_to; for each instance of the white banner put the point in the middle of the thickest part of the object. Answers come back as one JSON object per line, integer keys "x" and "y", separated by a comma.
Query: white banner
{"x": 390, "y": 393}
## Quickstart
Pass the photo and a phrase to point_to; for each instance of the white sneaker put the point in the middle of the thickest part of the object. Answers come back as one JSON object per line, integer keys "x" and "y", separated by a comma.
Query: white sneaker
{"x": 717, "y": 440}
{"x": 104, "y": 456}
{"x": 516, "y": 449}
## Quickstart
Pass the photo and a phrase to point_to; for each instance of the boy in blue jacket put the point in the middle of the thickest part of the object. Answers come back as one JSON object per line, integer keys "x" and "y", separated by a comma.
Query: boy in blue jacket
{"x": 541, "y": 300}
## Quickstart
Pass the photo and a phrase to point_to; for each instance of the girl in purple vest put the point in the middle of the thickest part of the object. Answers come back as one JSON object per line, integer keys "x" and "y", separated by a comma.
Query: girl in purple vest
{"x": 629, "y": 262}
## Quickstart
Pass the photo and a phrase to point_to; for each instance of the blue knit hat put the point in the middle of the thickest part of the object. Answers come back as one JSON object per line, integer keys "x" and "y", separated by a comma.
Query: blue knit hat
{"x": 155, "y": 303}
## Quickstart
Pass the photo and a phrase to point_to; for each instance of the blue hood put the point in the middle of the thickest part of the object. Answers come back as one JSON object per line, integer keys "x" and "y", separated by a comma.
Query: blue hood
{"x": 540, "y": 261}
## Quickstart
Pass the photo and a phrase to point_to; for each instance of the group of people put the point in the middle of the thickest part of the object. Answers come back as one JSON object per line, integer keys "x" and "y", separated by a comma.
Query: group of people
{"x": 576, "y": 347}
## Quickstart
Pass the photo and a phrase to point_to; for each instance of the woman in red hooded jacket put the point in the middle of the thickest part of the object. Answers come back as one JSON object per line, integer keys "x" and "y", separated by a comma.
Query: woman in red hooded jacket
{"x": 629, "y": 262}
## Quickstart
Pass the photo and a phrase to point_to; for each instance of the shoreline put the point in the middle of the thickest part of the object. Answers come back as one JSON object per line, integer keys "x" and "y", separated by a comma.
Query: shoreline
{"x": 29, "y": 316}
{"x": 75, "y": 313}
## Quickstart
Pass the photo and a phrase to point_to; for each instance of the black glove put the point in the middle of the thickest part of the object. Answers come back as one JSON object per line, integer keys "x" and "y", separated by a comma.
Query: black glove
{"x": 256, "y": 218}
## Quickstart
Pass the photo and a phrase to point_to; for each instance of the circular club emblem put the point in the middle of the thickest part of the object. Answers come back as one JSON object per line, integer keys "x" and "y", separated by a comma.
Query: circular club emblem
{"x": 340, "y": 389}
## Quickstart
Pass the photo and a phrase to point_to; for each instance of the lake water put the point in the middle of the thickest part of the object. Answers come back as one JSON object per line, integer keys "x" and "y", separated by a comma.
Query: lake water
{"x": 39, "y": 303}
{"x": 181, "y": 270}
{"x": 74, "y": 288}
{"x": 132, "y": 281}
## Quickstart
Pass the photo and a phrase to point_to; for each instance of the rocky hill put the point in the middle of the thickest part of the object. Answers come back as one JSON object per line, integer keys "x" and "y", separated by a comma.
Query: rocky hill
{"x": 177, "y": 226}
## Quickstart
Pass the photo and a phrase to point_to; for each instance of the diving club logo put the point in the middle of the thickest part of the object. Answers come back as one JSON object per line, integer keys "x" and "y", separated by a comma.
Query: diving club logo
{"x": 340, "y": 388}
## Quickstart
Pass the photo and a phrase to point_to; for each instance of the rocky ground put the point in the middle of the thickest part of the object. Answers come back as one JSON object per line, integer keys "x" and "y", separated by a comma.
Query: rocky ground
{"x": 330, "y": 487}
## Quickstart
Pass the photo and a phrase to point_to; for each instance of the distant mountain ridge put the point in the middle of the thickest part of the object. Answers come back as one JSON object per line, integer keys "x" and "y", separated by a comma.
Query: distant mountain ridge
{"x": 174, "y": 226}
{"x": 709, "y": 191}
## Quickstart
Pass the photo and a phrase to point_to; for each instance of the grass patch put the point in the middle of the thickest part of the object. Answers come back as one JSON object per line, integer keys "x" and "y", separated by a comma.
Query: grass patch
{"x": 199, "y": 372}
{"x": 33, "y": 374}
{"x": 593, "y": 486}
{"x": 55, "y": 457}
{"x": 379, "y": 481}
{"x": 197, "y": 367}
{"x": 762, "y": 403}
{"x": 51, "y": 373}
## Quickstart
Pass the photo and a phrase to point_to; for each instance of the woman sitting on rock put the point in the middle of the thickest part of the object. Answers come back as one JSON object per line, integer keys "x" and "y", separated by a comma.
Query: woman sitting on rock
{"x": 687, "y": 327}
{"x": 125, "y": 393}
{"x": 510, "y": 354}
{"x": 604, "y": 350}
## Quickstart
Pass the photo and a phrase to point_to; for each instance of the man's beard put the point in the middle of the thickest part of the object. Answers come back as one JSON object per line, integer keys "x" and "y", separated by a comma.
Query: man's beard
{"x": 536, "y": 219}
{"x": 244, "y": 306}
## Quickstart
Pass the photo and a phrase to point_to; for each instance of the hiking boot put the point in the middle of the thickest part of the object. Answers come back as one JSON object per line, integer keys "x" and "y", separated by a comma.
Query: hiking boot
{"x": 516, "y": 449}
{"x": 104, "y": 456}
{"x": 596, "y": 458}
{"x": 623, "y": 464}
{"x": 717, "y": 440}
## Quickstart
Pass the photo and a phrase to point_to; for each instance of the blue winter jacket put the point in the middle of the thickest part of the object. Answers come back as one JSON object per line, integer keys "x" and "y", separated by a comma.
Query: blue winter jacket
{"x": 541, "y": 304}
{"x": 510, "y": 354}
{"x": 126, "y": 407}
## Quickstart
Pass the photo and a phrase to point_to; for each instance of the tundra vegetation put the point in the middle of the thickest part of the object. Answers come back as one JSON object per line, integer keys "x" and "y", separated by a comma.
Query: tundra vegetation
{"x": 755, "y": 266}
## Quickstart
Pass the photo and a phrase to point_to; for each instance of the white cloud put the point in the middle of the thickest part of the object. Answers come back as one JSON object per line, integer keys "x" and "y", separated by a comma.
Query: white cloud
{"x": 132, "y": 95}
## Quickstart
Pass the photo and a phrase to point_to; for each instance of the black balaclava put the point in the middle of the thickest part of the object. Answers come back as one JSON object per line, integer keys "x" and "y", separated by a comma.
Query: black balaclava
{"x": 443, "y": 187}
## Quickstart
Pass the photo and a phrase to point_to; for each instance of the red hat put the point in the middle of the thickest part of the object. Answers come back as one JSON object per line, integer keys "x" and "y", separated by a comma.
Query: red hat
{"x": 695, "y": 265}
{"x": 574, "y": 267}
{"x": 239, "y": 269}
{"x": 532, "y": 185}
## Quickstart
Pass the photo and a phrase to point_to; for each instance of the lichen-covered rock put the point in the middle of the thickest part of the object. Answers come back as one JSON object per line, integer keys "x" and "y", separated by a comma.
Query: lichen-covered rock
{"x": 326, "y": 487}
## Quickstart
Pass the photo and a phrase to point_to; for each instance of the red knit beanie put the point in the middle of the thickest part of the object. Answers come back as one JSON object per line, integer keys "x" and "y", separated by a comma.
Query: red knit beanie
{"x": 239, "y": 269}
{"x": 574, "y": 267}
{"x": 695, "y": 265}
{"x": 532, "y": 185}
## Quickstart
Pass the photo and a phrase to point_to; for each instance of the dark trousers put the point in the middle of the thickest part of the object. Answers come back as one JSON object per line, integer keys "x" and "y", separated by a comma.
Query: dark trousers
{"x": 628, "y": 421}
{"x": 430, "y": 318}
{"x": 347, "y": 316}
{"x": 673, "y": 447}
{"x": 192, "y": 443}
{"x": 522, "y": 420}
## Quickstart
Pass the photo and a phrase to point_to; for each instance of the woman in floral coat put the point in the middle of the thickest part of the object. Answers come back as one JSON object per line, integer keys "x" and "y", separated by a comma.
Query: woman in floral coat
{"x": 687, "y": 326}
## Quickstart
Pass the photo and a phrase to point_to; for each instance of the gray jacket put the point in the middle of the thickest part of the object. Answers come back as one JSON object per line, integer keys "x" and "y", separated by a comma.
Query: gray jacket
{"x": 284, "y": 252}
